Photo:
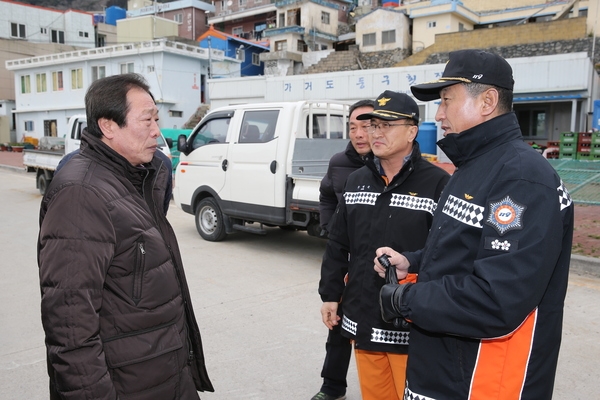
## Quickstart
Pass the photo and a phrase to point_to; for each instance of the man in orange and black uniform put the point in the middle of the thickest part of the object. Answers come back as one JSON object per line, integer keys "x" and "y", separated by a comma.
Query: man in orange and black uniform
{"x": 338, "y": 348}
{"x": 487, "y": 308}
{"x": 389, "y": 201}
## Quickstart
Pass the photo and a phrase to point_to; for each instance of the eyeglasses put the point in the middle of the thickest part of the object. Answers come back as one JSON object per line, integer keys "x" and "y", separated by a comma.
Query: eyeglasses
{"x": 383, "y": 127}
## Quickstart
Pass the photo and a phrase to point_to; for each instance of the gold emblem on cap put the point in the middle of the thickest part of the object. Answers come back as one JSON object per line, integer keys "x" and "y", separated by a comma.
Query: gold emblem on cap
{"x": 412, "y": 193}
{"x": 383, "y": 101}
{"x": 468, "y": 196}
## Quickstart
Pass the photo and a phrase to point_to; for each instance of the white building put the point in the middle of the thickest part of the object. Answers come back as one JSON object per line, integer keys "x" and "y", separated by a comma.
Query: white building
{"x": 301, "y": 25}
{"x": 51, "y": 88}
{"x": 383, "y": 29}
{"x": 46, "y": 25}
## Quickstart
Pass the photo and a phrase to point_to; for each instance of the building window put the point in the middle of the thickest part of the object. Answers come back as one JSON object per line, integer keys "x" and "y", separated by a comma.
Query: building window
{"x": 431, "y": 24}
{"x": 57, "y": 81}
{"x": 83, "y": 34}
{"x": 98, "y": 72}
{"x": 101, "y": 40}
{"x": 178, "y": 18}
{"x": 242, "y": 3}
{"x": 150, "y": 68}
{"x": 461, "y": 27}
{"x": 40, "y": 80}
{"x": 25, "y": 84}
{"x": 281, "y": 20}
{"x": 369, "y": 39}
{"x": 57, "y": 36}
{"x": 301, "y": 46}
{"x": 255, "y": 59}
{"x": 388, "y": 36}
{"x": 77, "y": 78}
{"x": 43, "y": 31}
{"x": 325, "y": 17}
{"x": 28, "y": 126}
{"x": 175, "y": 114}
{"x": 533, "y": 123}
{"x": 294, "y": 17}
{"x": 237, "y": 31}
{"x": 126, "y": 68}
{"x": 281, "y": 45}
{"x": 17, "y": 30}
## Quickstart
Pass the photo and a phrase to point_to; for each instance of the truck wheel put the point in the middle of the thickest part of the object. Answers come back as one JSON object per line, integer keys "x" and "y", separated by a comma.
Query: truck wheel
{"x": 209, "y": 220}
{"x": 42, "y": 183}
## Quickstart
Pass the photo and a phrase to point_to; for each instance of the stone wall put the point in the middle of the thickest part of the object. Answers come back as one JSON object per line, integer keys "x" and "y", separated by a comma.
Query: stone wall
{"x": 533, "y": 49}
{"x": 382, "y": 59}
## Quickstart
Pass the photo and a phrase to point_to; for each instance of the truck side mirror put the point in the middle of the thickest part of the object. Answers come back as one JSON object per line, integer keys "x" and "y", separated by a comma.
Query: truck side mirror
{"x": 182, "y": 144}
{"x": 169, "y": 142}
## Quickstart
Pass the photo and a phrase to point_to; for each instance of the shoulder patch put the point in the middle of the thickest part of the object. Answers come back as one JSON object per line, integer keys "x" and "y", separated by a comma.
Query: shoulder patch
{"x": 505, "y": 215}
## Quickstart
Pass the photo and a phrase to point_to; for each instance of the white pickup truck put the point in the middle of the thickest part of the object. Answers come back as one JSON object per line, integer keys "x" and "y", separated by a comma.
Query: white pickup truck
{"x": 248, "y": 166}
{"x": 51, "y": 150}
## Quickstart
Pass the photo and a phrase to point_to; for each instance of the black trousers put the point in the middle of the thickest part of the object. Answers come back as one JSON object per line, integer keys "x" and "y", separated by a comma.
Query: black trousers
{"x": 338, "y": 351}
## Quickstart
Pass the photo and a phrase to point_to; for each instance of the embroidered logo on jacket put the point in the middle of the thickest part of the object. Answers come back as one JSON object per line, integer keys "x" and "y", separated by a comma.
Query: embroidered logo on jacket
{"x": 499, "y": 244}
{"x": 413, "y": 203}
{"x": 506, "y": 215}
{"x": 564, "y": 198}
{"x": 463, "y": 211}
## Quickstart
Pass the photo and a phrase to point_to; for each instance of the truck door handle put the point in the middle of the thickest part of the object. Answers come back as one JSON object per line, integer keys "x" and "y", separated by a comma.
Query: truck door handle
{"x": 273, "y": 167}
{"x": 224, "y": 165}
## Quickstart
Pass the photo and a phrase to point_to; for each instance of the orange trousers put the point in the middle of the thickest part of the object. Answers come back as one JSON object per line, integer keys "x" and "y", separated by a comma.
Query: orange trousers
{"x": 381, "y": 375}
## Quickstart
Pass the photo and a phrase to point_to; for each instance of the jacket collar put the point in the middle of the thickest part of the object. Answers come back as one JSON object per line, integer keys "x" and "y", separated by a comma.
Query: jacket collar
{"x": 415, "y": 155}
{"x": 352, "y": 154}
{"x": 480, "y": 139}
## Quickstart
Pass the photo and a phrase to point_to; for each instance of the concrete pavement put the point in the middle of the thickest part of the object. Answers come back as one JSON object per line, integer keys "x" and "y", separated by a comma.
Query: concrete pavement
{"x": 579, "y": 264}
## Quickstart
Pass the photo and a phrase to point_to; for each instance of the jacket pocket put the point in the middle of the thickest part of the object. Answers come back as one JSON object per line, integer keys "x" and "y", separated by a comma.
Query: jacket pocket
{"x": 138, "y": 270}
{"x": 140, "y": 346}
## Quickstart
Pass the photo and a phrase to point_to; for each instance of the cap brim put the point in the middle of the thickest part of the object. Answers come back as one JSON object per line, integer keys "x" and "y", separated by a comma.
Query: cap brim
{"x": 430, "y": 91}
{"x": 382, "y": 115}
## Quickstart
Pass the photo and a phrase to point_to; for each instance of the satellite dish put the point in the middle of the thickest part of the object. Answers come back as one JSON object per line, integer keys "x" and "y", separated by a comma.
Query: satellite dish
{"x": 229, "y": 3}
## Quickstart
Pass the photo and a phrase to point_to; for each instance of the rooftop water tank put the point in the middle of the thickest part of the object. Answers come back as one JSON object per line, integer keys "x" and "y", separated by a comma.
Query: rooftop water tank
{"x": 114, "y": 13}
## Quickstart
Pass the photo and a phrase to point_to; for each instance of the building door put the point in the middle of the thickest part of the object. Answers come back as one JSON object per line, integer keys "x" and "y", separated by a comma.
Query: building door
{"x": 50, "y": 127}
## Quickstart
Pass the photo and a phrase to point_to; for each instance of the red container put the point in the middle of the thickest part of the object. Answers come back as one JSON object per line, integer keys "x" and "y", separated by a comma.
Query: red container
{"x": 584, "y": 147}
{"x": 584, "y": 137}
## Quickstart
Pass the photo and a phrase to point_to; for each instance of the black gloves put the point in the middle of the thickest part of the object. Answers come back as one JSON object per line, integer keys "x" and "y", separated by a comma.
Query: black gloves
{"x": 390, "y": 300}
